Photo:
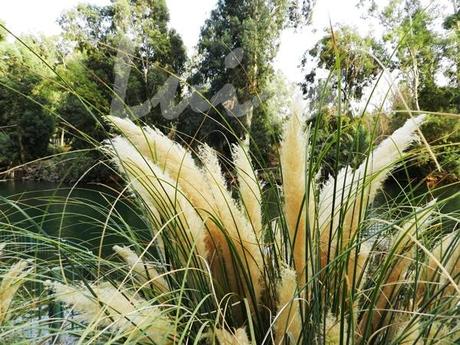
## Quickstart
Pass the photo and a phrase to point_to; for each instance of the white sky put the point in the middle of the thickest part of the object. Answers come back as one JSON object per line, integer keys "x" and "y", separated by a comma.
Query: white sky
{"x": 187, "y": 17}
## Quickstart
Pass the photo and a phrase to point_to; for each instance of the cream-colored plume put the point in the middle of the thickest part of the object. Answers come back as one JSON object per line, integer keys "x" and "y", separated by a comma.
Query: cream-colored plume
{"x": 346, "y": 196}
{"x": 288, "y": 321}
{"x": 144, "y": 272}
{"x": 443, "y": 268}
{"x": 401, "y": 250}
{"x": 106, "y": 306}
{"x": 409, "y": 333}
{"x": 293, "y": 155}
{"x": 452, "y": 266}
{"x": 206, "y": 189}
{"x": 332, "y": 336}
{"x": 239, "y": 337}
{"x": 170, "y": 157}
{"x": 249, "y": 188}
{"x": 11, "y": 282}
{"x": 233, "y": 220}
{"x": 440, "y": 334}
{"x": 357, "y": 264}
{"x": 156, "y": 188}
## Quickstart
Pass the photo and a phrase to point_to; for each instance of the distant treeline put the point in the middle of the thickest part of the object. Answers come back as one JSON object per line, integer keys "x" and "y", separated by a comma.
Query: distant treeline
{"x": 55, "y": 91}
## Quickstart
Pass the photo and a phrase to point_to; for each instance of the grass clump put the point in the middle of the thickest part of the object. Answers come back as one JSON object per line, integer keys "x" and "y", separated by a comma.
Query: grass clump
{"x": 288, "y": 260}
{"x": 217, "y": 270}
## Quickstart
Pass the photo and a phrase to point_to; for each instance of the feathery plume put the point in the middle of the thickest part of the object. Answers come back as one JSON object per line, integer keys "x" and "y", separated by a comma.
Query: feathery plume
{"x": 413, "y": 333}
{"x": 2, "y": 246}
{"x": 440, "y": 334}
{"x": 237, "y": 228}
{"x": 452, "y": 267}
{"x": 288, "y": 321}
{"x": 11, "y": 282}
{"x": 249, "y": 188}
{"x": 387, "y": 154}
{"x": 239, "y": 337}
{"x": 207, "y": 192}
{"x": 106, "y": 306}
{"x": 446, "y": 253}
{"x": 332, "y": 336}
{"x": 171, "y": 157}
{"x": 409, "y": 333}
{"x": 157, "y": 189}
{"x": 357, "y": 264}
{"x": 355, "y": 189}
{"x": 145, "y": 272}
{"x": 293, "y": 154}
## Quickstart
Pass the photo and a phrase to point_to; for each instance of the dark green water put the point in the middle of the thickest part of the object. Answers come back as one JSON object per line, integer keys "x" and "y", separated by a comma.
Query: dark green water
{"x": 401, "y": 200}
{"x": 85, "y": 216}
{"x": 82, "y": 216}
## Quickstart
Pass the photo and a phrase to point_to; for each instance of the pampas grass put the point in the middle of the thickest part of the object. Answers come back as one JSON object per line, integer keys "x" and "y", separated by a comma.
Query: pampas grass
{"x": 288, "y": 321}
{"x": 106, "y": 306}
{"x": 206, "y": 190}
{"x": 11, "y": 282}
{"x": 249, "y": 188}
{"x": 348, "y": 195}
{"x": 320, "y": 237}
{"x": 293, "y": 153}
{"x": 333, "y": 334}
{"x": 239, "y": 337}
{"x": 217, "y": 269}
{"x": 144, "y": 272}
{"x": 160, "y": 193}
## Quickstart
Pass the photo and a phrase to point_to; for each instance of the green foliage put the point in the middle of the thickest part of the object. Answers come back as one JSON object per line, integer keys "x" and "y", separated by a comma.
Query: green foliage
{"x": 418, "y": 54}
{"x": 351, "y": 56}
{"x": 36, "y": 128}
{"x": 9, "y": 152}
{"x": 254, "y": 28}
{"x": 99, "y": 33}
{"x": 3, "y": 33}
{"x": 451, "y": 48}
{"x": 443, "y": 134}
{"x": 24, "y": 114}
{"x": 341, "y": 141}
{"x": 80, "y": 122}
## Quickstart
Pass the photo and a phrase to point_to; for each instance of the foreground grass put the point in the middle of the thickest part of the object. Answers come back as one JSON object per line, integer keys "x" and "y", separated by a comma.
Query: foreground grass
{"x": 322, "y": 269}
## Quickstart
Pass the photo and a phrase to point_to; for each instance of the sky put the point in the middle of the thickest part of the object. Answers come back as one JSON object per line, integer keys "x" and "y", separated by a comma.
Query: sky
{"x": 187, "y": 17}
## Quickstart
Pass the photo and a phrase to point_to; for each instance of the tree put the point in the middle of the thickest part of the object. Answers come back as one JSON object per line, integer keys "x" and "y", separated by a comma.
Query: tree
{"x": 236, "y": 47}
{"x": 26, "y": 123}
{"x": 452, "y": 45}
{"x": 415, "y": 48}
{"x": 99, "y": 33}
{"x": 351, "y": 59}
{"x": 3, "y": 33}
{"x": 82, "y": 104}
{"x": 422, "y": 54}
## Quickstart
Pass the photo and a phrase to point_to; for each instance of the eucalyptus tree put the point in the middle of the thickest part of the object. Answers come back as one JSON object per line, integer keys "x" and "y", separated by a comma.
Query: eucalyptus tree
{"x": 98, "y": 33}
{"x": 352, "y": 59}
{"x": 237, "y": 46}
{"x": 424, "y": 42}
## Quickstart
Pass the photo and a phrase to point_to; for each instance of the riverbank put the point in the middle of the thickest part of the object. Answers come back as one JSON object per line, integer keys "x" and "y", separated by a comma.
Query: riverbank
{"x": 68, "y": 168}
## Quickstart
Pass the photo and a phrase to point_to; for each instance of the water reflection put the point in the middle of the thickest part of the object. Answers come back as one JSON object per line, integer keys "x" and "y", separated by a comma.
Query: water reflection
{"x": 81, "y": 216}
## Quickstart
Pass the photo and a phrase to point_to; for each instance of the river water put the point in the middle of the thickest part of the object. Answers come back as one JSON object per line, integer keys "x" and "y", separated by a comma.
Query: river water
{"x": 81, "y": 215}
